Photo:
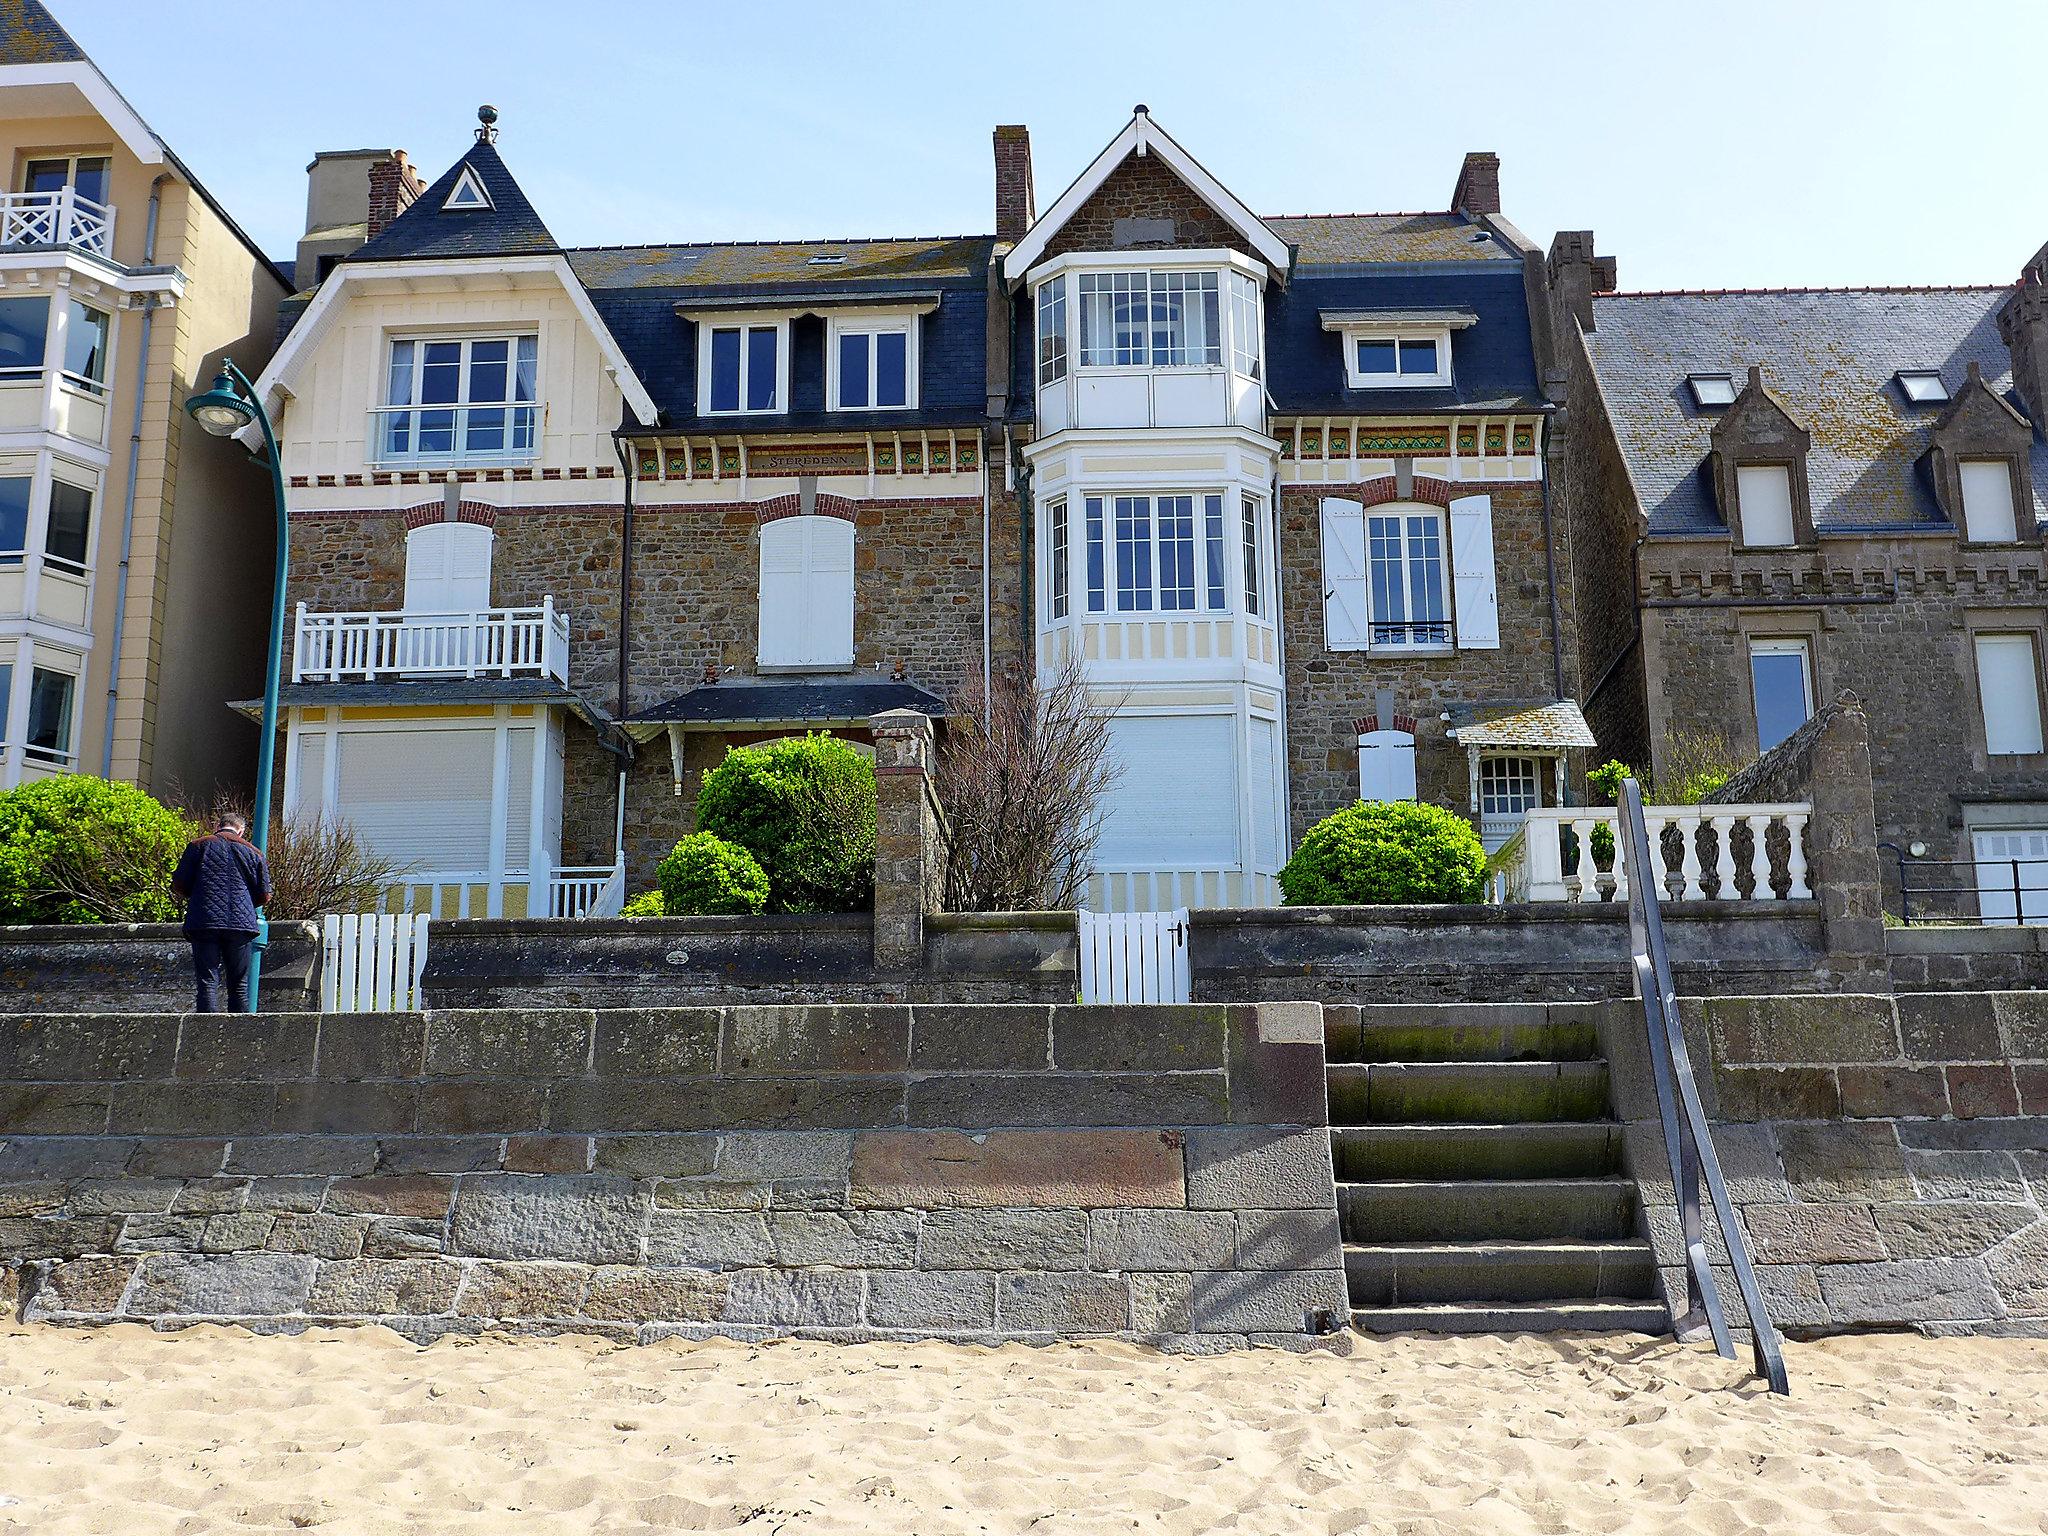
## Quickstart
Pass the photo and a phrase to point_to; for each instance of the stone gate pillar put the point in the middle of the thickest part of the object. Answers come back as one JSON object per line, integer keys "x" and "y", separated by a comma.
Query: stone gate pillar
{"x": 909, "y": 838}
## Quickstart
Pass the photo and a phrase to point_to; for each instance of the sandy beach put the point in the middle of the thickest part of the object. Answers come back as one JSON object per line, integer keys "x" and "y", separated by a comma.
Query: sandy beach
{"x": 124, "y": 1430}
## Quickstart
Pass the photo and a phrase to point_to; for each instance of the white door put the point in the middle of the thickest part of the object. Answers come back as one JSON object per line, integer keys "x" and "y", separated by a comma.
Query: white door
{"x": 1135, "y": 957}
{"x": 2012, "y": 875}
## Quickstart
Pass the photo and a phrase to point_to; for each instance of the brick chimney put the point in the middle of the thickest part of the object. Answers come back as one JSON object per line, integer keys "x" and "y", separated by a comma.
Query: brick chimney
{"x": 1016, "y": 206}
{"x": 2023, "y": 327}
{"x": 1478, "y": 188}
{"x": 394, "y": 184}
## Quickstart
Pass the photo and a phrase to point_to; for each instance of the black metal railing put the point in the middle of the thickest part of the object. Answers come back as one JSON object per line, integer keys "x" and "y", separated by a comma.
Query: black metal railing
{"x": 1995, "y": 891}
{"x": 1688, "y": 1142}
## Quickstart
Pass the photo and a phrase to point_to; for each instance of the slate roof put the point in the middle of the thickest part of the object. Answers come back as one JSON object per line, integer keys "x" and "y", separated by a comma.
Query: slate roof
{"x": 826, "y": 701}
{"x": 29, "y": 34}
{"x": 1551, "y": 724}
{"x": 436, "y": 690}
{"x": 426, "y": 230}
{"x": 1829, "y": 356}
{"x": 1373, "y": 237}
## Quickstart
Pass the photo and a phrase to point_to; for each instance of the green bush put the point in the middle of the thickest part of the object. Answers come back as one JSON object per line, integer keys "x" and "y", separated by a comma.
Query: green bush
{"x": 77, "y": 849}
{"x": 1383, "y": 852}
{"x": 805, "y": 809}
{"x": 706, "y": 876}
{"x": 1607, "y": 779}
{"x": 646, "y": 904}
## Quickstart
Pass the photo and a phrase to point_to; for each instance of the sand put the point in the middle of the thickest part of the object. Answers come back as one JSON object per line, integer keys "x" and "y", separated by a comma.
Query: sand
{"x": 124, "y": 1430}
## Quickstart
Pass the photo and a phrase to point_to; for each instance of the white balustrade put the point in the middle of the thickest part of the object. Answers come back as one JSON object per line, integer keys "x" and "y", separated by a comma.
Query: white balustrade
{"x": 56, "y": 218}
{"x": 1563, "y": 855}
{"x": 500, "y": 642}
{"x": 597, "y": 890}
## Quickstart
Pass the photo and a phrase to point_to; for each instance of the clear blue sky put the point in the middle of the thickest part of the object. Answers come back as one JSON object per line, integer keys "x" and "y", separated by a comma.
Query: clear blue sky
{"x": 1736, "y": 144}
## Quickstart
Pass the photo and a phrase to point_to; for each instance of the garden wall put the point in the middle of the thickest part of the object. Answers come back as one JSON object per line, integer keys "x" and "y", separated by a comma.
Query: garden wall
{"x": 138, "y": 968}
{"x": 847, "y": 1172}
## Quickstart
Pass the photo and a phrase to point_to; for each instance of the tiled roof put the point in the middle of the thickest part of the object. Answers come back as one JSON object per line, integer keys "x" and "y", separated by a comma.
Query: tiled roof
{"x": 509, "y": 227}
{"x": 29, "y": 34}
{"x": 1355, "y": 237}
{"x": 1554, "y": 724}
{"x": 1829, "y": 356}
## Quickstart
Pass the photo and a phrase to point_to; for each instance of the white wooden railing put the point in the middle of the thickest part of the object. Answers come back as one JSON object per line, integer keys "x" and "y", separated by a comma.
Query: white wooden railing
{"x": 372, "y": 962}
{"x": 596, "y": 890}
{"x": 56, "y": 218}
{"x": 500, "y": 642}
{"x": 1709, "y": 852}
{"x": 592, "y": 890}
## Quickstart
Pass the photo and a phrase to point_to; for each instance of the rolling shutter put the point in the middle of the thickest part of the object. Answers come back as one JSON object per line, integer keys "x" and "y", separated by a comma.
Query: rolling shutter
{"x": 1472, "y": 576}
{"x": 1174, "y": 805}
{"x": 1344, "y": 625}
{"x": 1386, "y": 766}
{"x": 422, "y": 798}
{"x": 1267, "y": 852}
{"x": 807, "y": 592}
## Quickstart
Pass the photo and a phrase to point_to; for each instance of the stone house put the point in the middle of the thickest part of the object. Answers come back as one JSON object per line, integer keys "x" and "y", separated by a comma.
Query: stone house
{"x": 135, "y": 551}
{"x": 1779, "y": 496}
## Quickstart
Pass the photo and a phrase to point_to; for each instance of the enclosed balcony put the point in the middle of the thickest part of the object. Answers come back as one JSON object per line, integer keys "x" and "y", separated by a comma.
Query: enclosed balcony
{"x": 412, "y": 643}
{"x": 65, "y": 216}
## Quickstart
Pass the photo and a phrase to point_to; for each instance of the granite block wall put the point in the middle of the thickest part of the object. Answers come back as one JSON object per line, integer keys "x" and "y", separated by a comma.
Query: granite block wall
{"x": 978, "y": 1173}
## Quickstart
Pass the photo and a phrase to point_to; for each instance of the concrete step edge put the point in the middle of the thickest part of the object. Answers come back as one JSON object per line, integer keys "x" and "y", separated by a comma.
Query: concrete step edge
{"x": 1564, "y": 1315}
{"x": 1515, "y": 1248}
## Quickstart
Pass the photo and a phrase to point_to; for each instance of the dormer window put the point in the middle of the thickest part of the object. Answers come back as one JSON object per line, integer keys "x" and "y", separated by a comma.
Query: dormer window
{"x": 1712, "y": 391}
{"x": 1922, "y": 386}
{"x": 1758, "y": 466}
{"x": 467, "y": 195}
{"x": 741, "y": 368}
{"x": 873, "y": 362}
{"x": 1384, "y": 360}
{"x": 1396, "y": 349}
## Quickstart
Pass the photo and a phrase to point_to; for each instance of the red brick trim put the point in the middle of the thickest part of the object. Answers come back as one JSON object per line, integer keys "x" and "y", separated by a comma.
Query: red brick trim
{"x": 1366, "y": 724}
{"x": 825, "y": 505}
{"x": 427, "y": 513}
{"x": 1427, "y": 488}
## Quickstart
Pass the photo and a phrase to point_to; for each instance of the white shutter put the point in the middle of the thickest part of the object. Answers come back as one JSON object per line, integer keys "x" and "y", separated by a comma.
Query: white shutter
{"x": 448, "y": 568}
{"x": 2011, "y": 697}
{"x": 1344, "y": 622}
{"x": 1174, "y": 804}
{"x": 782, "y": 593}
{"x": 421, "y": 797}
{"x": 518, "y": 800}
{"x": 1763, "y": 494}
{"x": 1386, "y": 766}
{"x": 828, "y": 590}
{"x": 1988, "y": 516}
{"x": 1478, "y": 593}
{"x": 1267, "y": 854}
{"x": 309, "y": 775}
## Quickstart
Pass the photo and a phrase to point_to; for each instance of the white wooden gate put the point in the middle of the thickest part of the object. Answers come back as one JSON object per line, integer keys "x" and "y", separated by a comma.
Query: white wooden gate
{"x": 372, "y": 962}
{"x": 1135, "y": 957}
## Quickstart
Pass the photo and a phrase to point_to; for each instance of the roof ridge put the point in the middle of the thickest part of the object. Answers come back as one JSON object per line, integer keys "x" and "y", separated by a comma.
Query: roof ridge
{"x": 1371, "y": 213}
{"x": 1717, "y": 293}
{"x": 685, "y": 245}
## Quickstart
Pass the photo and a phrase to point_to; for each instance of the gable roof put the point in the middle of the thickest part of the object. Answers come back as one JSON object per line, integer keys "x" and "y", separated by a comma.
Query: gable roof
{"x": 1141, "y": 136}
{"x": 1829, "y": 357}
{"x": 29, "y": 34}
{"x": 429, "y": 230}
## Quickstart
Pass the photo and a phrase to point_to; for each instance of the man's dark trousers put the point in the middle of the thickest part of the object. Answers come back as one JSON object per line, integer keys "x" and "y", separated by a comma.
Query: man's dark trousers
{"x": 220, "y": 964}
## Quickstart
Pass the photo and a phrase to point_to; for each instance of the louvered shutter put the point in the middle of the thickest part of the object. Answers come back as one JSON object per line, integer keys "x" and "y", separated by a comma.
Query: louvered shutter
{"x": 1344, "y": 617}
{"x": 448, "y": 568}
{"x": 1386, "y": 766}
{"x": 807, "y": 592}
{"x": 1472, "y": 575}
{"x": 782, "y": 593}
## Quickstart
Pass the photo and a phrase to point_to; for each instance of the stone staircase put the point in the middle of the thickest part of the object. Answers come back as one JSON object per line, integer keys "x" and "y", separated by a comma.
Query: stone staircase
{"x": 1480, "y": 1181}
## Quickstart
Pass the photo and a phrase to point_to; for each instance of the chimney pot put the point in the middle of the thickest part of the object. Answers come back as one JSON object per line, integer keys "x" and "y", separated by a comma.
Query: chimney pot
{"x": 394, "y": 185}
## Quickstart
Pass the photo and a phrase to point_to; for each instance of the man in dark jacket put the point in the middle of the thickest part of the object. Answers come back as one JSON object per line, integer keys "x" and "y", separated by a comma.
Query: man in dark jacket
{"x": 222, "y": 880}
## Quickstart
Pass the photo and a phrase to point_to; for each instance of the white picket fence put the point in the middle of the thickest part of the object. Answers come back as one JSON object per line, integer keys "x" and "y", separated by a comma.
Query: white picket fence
{"x": 371, "y": 962}
{"x": 1135, "y": 957}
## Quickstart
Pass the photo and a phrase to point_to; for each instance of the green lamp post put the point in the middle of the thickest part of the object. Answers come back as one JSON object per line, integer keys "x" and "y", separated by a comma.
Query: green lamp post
{"x": 224, "y": 410}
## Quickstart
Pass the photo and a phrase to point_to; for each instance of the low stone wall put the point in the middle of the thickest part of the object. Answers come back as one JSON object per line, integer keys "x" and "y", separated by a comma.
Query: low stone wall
{"x": 1969, "y": 958}
{"x": 848, "y": 1172}
{"x": 1887, "y": 1157}
{"x": 1539, "y": 952}
{"x": 138, "y": 968}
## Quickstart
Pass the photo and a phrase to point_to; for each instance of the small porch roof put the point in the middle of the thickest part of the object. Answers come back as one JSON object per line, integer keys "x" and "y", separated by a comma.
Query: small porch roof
{"x": 1550, "y": 726}
{"x": 757, "y": 705}
{"x": 427, "y": 692}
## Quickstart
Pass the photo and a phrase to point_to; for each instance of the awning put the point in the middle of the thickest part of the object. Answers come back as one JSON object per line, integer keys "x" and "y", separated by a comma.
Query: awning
{"x": 427, "y": 692}
{"x": 1390, "y": 319}
{"x": 799, "y": 705}
{"x": 1547, "y": 727}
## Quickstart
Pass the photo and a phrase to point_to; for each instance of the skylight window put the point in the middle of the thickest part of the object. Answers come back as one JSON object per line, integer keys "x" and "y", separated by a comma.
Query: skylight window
{"x": 1922, "y": 386}
{"x": 468, "y": 194}
{"x": 1712, "y": 391}
{"x": 827, "y": 261}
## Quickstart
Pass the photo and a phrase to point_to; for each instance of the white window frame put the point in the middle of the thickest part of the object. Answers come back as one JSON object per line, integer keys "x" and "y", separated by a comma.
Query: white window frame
{"x": 1780, "y": 645}
{"x": 1923, "y": 386}
{"x": 79, "y": 478}
{"x": 1099, "y": 511}
{"x": 83, "y": 382}
{"x": 468, "y": 182}
{"x": 1049, "y": 305}
{"x": 1253, "y": 583}
{"x": 510, "y": 451}
{"x": 743, "y": 323}
{"x": 1059, "y": 556}
{"x": 1752, "y": 474}
{"x": 1502, "y": 776}
{"x": 41, "y": 659}
{"x": 1438, "y": 378}
{"x": 2007, "y": 741}
{"x": 2008, "y": 516}
{"x": 1149, "y": 275}
{"x": 1407, "y": 641}
{"x": 1244, "y": 300}
{"x": 871, "y": 325}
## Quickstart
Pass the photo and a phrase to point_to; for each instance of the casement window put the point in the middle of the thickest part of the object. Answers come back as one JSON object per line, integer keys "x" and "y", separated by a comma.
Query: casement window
{"x": 1386, "y": 765}
{"x": 1150, "y": 320}
{"x": 1763, "y": 494}
{"x": 2009, "y": 691}
{"x": 461, "y": 397}
{"x": 1254, "y": 557}
{"x": 15, "y": 491}
{"x": 1390, "y": 575}
{"x": 85, "y": 348}
{"x": 1781, "y": 684}
{"x": 1052, "y": 330}
{"x": 25, "y": 342}
{"x": 1174, "y": 804}
{"x": 1408, "y": 360}
{"x": 6, "y": 699}
{"x": 1166, "y": 552}
{"x": 1407, "y": 594}
{"x": 86, "y": 175}
{"x": 67, "y": 540}
{"x": 51, "y": 694}
{"x": 1989, "y": 513}
{"x": 1246, "y": 336}
{"x": 24, "y": 337}
{"x": 1057, "y": 596}
{"x": 806, "y": 619}
{"x": 741, "y": 368}
{"x": 874, "y": 364}
{"x": 1507, "y": 787}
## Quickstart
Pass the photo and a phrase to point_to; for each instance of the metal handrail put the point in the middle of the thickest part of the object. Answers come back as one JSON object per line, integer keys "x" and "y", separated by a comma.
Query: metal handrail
{"x": 2012, "y": 888}
{"x": 1688, "y": 1143}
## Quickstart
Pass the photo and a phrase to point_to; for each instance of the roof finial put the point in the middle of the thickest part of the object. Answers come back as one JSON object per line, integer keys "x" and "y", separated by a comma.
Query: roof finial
{"x": 487, "y": 116}
{"x": 1141, "y": 110}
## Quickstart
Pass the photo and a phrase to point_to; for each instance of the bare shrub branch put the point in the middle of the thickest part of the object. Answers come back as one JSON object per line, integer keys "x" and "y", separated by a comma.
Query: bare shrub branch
{"x": 321, "y": 864}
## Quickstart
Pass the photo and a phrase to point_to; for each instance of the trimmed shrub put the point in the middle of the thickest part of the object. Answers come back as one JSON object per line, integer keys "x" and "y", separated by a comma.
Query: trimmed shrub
{"x": 646, "y": 904}
{"x": 1382, "y": 852}
{"x": 805, "y": 809}
{"x": 705, "y": 876}
{"x": 78, "y": 849}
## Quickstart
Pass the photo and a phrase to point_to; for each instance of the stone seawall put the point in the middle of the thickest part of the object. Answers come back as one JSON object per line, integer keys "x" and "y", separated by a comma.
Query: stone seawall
{"x": 138, "y": 968}
{"x": 847, "y": 1172}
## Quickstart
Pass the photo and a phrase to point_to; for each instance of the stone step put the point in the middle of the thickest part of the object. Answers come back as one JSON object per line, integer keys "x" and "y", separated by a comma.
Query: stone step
{"x": 1466, "y": 1092}
{"x": 1457, "y": 1032}
{"x": 1530, "y": 1149}
{"x": 1563, "y": 1316}
{"x": 1402, "y": 1274}
{"x": 1486, "y": 1210}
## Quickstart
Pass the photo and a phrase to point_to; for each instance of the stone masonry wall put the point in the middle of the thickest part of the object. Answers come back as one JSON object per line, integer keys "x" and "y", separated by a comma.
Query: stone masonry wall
{"x": 1143, "y": 188}
{"x": 1888, "y": 1158}
{"x": 978, "y": 1173}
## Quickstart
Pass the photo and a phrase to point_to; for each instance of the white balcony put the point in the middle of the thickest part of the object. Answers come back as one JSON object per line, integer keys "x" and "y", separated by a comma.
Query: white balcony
{"x": 492, "y": 642}
{"x": 1747, "y": 853}
{"x": 56, "y": 218}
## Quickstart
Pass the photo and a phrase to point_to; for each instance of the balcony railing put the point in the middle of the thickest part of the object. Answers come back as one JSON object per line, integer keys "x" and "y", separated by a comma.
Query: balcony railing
{"x": 56, "y": 218}
{"x": 597, "y": 890}
{"x": 492, "y": 642}
{"x": 1751, "y": 853}
{"x": 504, "y": 433}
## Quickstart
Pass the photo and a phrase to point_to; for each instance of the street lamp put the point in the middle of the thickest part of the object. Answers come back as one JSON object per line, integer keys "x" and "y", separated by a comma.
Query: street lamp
{"x": 224, "y": 410}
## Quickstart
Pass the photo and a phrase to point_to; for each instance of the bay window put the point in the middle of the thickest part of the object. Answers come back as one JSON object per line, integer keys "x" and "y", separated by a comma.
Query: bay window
{"x": 740, "y": 368}
{"x": 1154, "y": 554}
{"x": 1245, "y": 335}
{"x": 461, "y": 397}
{"x": 1141, "y": 319}
{"x": 1052, "y": 331}
{"x": 15, "y": 491}
{"x": 85, "y": 348}
{"x": 1405, "y": 586}
{"x": 24, "y": 337}
{"x": 874, "y": 364}
{"x": 50, "y": 697}
{"x": 68, "y": 538}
